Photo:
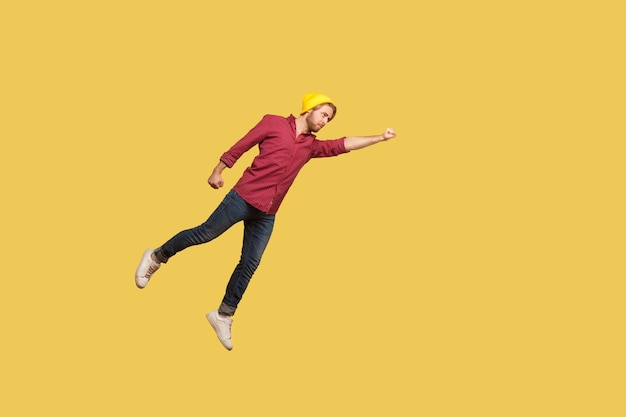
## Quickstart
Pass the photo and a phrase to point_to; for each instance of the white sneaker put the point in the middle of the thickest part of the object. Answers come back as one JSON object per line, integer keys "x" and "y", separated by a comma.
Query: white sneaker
{"x": 221, "y": 324}
{"x": 146, "y": 268}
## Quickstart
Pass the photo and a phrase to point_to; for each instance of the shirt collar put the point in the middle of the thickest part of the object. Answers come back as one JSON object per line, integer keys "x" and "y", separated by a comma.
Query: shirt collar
{"x": 292, "y": 123}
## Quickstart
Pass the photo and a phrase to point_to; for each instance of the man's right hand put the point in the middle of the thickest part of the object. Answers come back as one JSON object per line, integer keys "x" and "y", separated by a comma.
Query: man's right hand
{"x": 215, "y": 180}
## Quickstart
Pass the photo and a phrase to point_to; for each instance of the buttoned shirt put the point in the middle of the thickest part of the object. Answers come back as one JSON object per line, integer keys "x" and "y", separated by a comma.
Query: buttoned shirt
{"x": 266, "y": 181}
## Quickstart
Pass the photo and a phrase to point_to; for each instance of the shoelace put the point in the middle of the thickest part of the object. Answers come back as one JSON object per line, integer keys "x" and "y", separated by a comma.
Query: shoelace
{"x": 228, "y": 321}
{"x": 230, "y": 325}
{"x": 152, "y": 269}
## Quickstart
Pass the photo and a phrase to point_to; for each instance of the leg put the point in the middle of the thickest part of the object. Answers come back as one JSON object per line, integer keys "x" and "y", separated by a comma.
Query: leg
{"x": 257, "y": 233}
{"x": 230, "y": 211}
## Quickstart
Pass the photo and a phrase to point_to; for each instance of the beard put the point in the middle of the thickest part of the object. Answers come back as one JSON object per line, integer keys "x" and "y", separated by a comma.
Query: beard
{"x": 311, "y": 125}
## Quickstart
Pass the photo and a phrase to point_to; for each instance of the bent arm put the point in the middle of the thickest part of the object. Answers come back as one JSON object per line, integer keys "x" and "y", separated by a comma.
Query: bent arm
{"x": 228, "y": 158}
{"x": 353, "y": 143}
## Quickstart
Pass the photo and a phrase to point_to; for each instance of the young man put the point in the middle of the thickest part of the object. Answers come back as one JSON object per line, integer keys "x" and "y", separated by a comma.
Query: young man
{"x": 285, "y": 145}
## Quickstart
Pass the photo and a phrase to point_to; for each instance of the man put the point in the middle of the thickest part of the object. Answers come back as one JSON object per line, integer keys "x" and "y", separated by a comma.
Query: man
{"x": 285, "y": 145}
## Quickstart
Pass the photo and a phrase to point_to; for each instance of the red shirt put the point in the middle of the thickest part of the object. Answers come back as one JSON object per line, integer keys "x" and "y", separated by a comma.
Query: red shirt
{"x": 265, "y": 183}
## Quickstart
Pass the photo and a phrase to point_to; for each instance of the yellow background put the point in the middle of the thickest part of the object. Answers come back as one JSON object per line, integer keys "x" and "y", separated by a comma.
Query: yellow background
{"x": 473, "y": 266}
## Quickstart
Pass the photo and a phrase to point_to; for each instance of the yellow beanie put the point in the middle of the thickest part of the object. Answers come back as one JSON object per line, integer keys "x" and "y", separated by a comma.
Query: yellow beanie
{"x": 311, "y": 100}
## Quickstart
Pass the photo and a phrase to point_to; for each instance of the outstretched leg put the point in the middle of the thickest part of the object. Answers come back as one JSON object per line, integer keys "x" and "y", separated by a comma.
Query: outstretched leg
{"x": 231, "y": 210}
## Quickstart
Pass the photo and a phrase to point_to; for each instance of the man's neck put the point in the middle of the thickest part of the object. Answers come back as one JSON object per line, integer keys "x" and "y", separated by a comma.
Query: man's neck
{"x": 301, "y": 125}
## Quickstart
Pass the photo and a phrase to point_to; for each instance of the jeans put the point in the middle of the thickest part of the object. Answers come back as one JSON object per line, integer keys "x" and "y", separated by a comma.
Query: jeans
{"x": 258, "y": 228}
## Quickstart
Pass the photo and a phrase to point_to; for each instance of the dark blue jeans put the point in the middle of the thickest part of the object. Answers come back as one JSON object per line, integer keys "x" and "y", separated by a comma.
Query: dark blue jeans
{"x": 258, "y": 228}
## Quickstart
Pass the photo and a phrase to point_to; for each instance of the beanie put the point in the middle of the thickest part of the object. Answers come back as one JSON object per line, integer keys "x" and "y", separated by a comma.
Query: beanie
{"x": 311, "y": 100}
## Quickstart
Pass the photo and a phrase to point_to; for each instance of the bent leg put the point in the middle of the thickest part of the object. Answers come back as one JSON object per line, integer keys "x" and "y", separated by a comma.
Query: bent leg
{"x": 230, "y": 211}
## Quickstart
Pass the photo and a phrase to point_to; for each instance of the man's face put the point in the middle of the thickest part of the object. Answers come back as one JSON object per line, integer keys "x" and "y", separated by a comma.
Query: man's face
{"x": 317, "y": 119}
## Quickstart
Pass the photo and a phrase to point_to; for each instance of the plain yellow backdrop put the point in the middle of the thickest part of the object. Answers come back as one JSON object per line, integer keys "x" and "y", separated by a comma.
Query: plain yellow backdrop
{"x": 473, "y": 266}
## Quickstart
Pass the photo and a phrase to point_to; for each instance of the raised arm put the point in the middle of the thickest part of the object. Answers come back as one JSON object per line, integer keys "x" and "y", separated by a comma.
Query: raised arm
{"x": 353, "y": 143}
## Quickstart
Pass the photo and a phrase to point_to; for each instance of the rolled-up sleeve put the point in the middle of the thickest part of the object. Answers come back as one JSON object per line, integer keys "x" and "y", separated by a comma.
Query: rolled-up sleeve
{"x": 252, "y": 138}
{"x": 326, "y": 148}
